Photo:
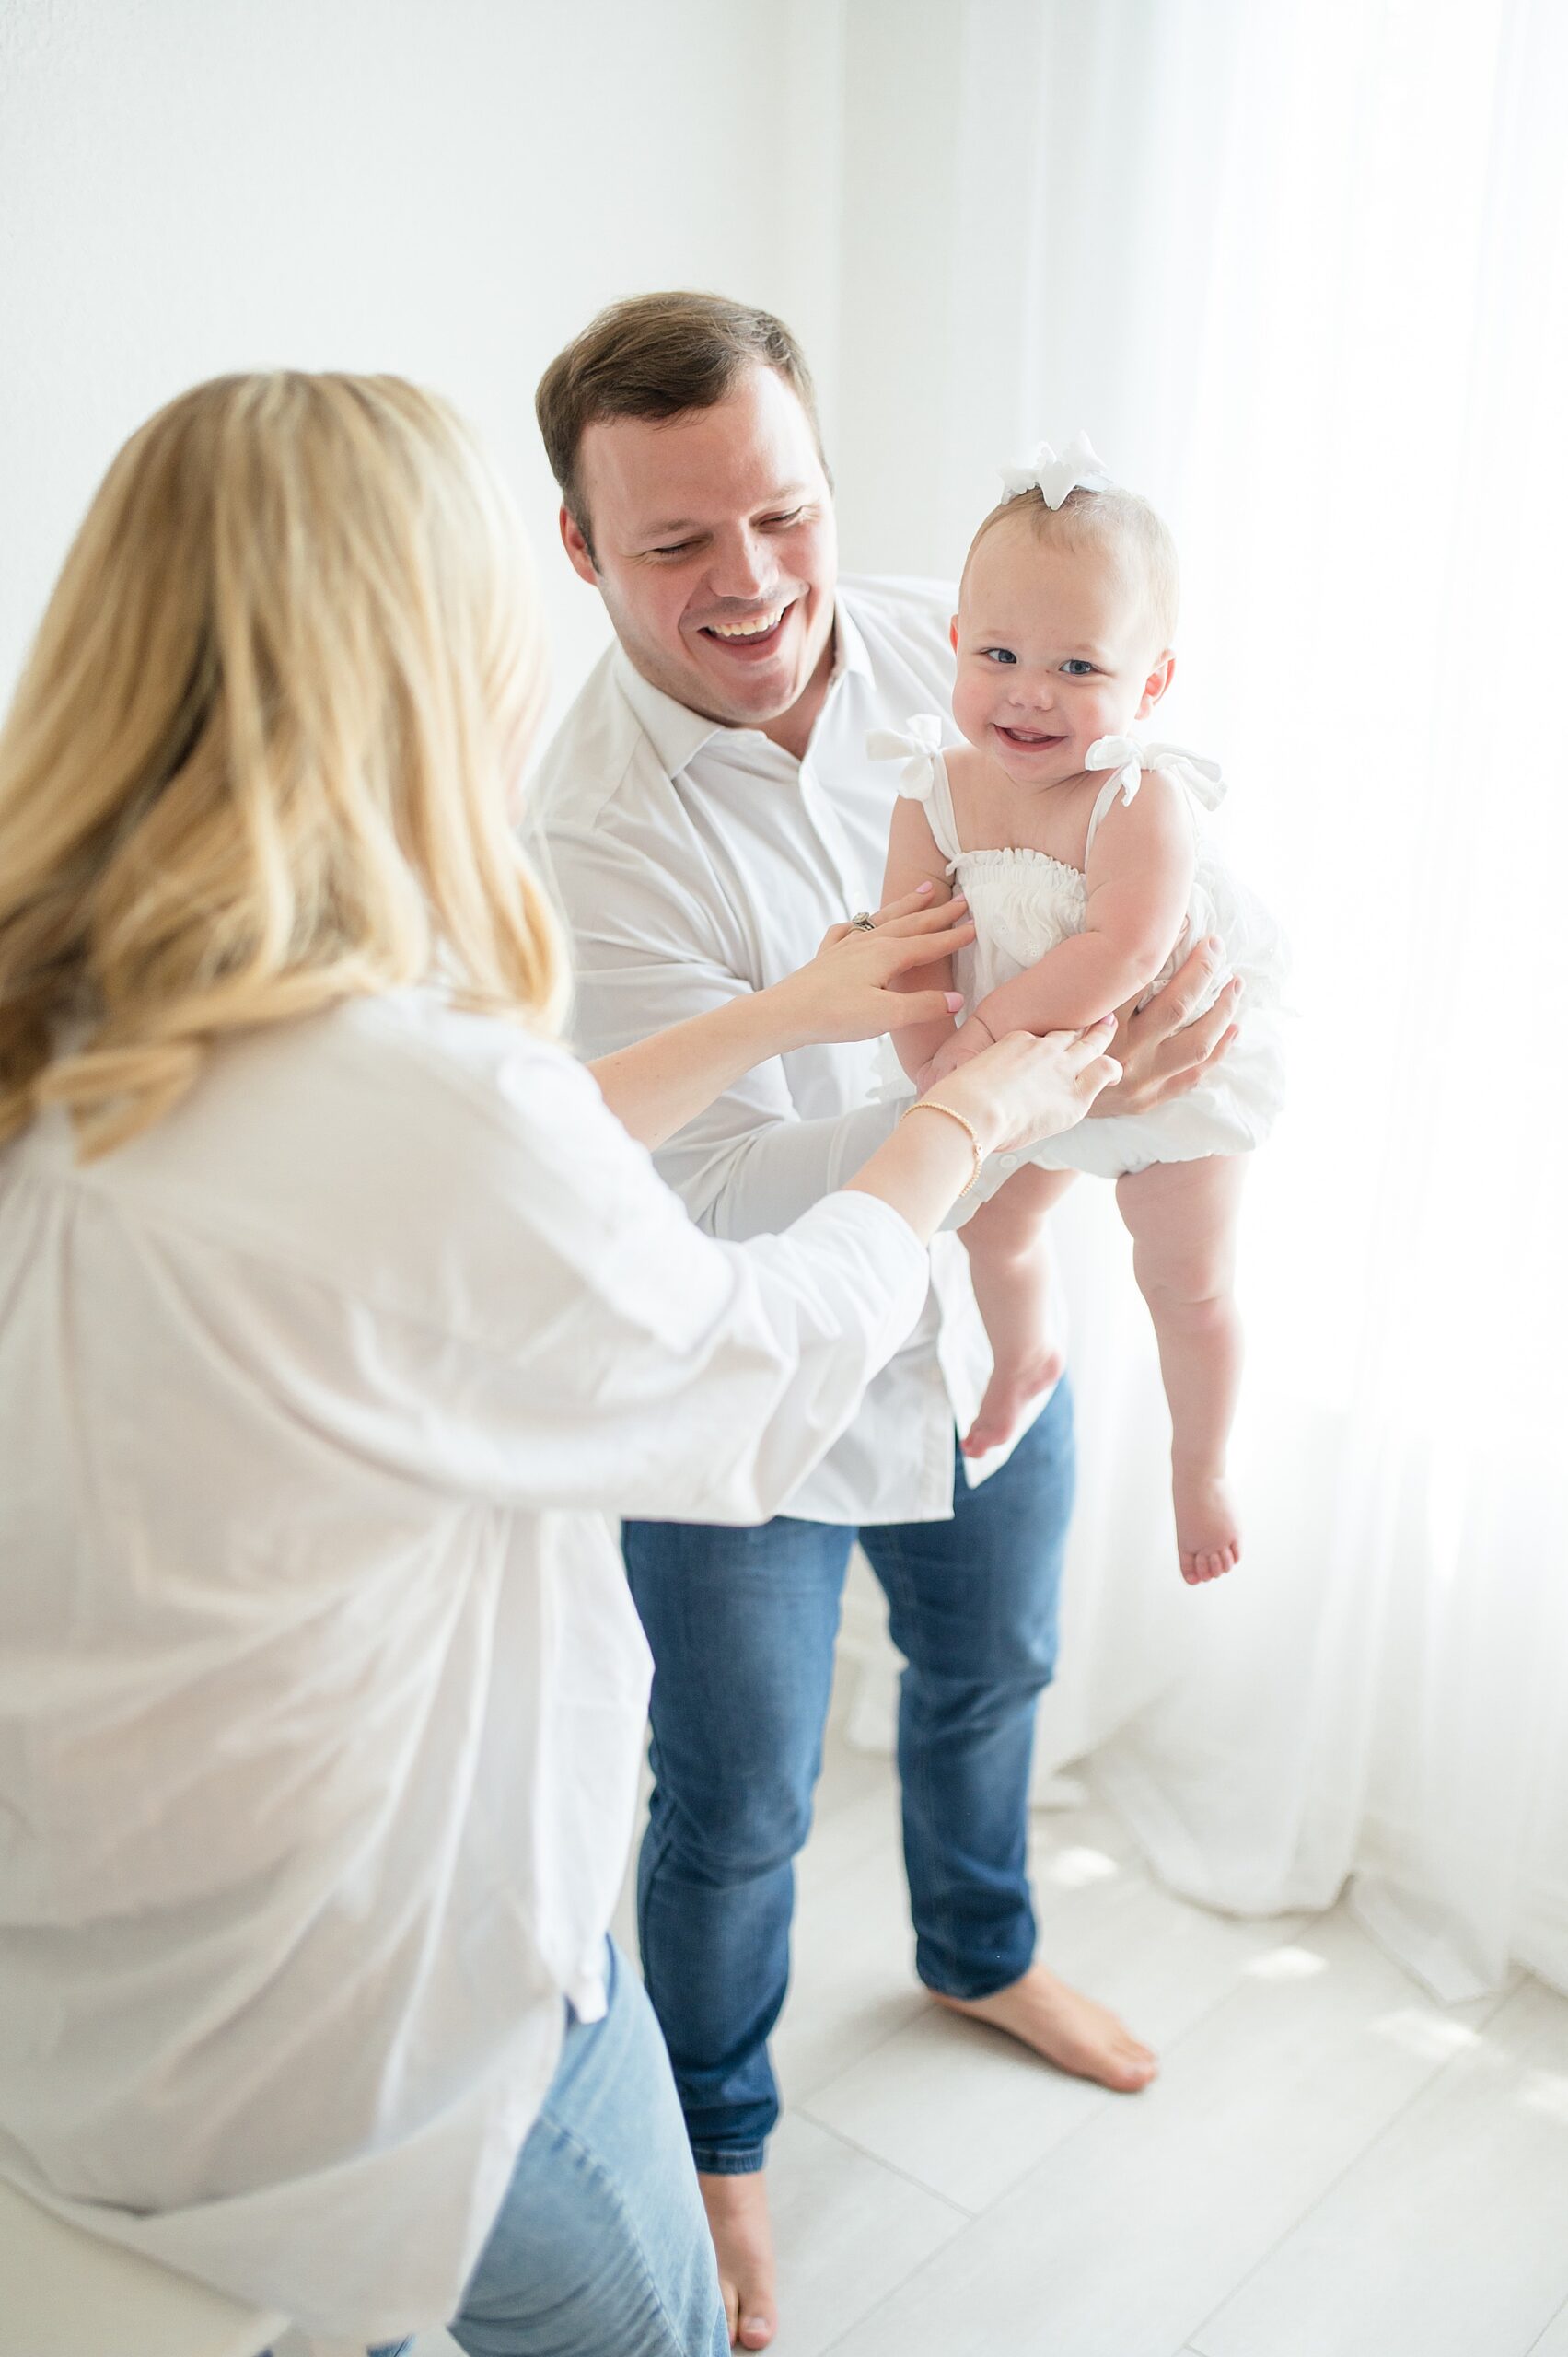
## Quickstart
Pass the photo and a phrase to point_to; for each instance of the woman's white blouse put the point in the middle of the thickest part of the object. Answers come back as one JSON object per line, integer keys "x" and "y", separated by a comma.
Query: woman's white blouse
{"x": 320, "y": 1691}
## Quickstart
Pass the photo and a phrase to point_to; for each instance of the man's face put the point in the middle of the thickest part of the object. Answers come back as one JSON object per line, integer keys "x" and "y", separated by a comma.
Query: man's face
{"x": 715, "y": 550}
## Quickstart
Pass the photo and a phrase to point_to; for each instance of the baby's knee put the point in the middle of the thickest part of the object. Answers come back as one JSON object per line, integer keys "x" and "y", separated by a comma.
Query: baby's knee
{"x": 1200, "y": 1299}
{"x": 1009, "y": 1226}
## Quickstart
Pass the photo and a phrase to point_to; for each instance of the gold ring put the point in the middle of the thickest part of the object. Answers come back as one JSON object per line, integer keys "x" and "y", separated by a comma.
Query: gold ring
{"x": 864, "y": 920}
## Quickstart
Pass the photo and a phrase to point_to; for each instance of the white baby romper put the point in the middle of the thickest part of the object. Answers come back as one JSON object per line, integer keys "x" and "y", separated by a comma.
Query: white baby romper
{"x": 1024, "y": 903}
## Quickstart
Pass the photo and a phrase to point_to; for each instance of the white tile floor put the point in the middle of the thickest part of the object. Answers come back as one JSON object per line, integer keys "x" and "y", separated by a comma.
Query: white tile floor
{"x": 1330, "y": 2164}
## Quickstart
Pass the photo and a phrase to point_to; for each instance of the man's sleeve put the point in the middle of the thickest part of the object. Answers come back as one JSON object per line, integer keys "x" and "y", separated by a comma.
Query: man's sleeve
{"x": 647, "y": 954}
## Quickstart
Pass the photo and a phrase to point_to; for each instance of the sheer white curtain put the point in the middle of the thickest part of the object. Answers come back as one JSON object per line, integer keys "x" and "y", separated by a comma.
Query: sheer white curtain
{"x": 1302, "y": 270}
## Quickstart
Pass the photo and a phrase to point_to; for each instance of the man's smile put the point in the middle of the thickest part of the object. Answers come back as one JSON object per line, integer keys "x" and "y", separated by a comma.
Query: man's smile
{"x": 753, "y": 634}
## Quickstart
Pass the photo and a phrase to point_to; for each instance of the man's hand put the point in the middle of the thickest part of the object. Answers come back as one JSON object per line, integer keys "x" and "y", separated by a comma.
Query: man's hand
{"x": 1167, "y": 1050}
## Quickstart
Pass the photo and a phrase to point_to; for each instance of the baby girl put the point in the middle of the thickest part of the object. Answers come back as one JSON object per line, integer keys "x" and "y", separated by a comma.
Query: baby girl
{"x": 1085, "y": 860}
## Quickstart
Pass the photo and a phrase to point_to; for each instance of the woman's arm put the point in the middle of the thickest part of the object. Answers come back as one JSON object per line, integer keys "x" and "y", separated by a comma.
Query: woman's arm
{"x": 562, "y": 1335}
{"x": 858, "y": 984}
{"x": 914, "y": 863}
{"x": 1021, "y": 1089}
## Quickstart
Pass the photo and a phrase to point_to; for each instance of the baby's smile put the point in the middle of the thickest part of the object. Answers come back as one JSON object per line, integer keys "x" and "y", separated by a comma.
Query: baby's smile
{"x": 1030, "y": 739}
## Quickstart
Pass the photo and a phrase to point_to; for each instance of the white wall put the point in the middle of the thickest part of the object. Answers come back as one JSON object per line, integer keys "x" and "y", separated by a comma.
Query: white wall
{"x": 445, "y": 191}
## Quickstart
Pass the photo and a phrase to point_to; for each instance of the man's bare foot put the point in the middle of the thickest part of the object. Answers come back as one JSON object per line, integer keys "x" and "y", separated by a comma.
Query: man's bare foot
{"x": 743, "y": 2239}
{"x": 1007, "y": 1395}
{"x": 1069, "y": 2029}
{"x": 1207, "y": 1538}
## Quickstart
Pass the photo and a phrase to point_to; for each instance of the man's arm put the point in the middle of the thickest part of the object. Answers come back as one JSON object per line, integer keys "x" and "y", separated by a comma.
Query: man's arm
{"x": 646, "y": 954}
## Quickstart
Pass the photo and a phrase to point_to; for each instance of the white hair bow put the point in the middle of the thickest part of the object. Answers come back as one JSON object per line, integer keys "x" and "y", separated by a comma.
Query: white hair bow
{"x": 1076, "y": 469}
{"x": 917, "y": 748}
{"x": 1129, "y": 760}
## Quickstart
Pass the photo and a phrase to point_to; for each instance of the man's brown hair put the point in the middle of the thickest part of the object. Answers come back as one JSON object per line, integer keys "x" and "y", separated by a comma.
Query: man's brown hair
{"x": 658, "y": 357}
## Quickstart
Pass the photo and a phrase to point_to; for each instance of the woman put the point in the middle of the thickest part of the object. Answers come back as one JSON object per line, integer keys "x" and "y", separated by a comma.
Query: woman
{"x": 339, "y": 1306}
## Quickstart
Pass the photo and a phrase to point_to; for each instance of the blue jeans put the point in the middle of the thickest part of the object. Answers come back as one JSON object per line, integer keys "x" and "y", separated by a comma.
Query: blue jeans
{"x": 742, "y": 1624}
{"x": 601, "y": 2242}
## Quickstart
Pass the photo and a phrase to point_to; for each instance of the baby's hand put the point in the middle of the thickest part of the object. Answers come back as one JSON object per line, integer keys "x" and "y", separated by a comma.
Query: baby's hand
{"x": 972, "y": 1039}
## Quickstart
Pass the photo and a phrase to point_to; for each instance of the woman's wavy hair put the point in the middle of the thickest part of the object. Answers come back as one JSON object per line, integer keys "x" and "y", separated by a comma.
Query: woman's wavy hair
{"x": 261, "y": 755}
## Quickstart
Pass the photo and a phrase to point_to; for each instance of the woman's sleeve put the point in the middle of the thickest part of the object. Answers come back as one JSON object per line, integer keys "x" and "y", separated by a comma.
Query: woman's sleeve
{"x": 566, "y": 1337}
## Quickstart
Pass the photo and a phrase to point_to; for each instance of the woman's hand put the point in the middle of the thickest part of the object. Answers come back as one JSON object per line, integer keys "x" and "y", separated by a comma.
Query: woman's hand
{"x": 1021, "y": 1089}
{"x": 845, "y": 991}
{"x": 1025, "y": 1088}
{"x": 1168, "y": 1048}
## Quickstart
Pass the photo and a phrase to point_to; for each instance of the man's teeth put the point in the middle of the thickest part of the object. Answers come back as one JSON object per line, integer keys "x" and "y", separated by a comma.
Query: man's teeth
{"x": 756, "y": 629}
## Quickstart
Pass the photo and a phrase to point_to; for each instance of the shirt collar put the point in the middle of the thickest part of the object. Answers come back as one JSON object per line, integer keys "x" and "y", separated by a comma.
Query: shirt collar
{"x": 677, "y": 734}
{"x": 851, "y": 657}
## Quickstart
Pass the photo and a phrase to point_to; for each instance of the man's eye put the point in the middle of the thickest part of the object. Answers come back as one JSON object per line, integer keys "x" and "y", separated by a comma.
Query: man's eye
{"x": 1076, "y": 668}
{"x": 676, "y": 548}
{"x": 999, "y": 655}
{"x": 782, "y": 523}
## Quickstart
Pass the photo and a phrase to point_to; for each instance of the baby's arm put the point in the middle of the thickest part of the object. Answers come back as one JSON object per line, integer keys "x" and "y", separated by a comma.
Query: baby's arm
{"x": 913, "y": 858}
{"x": 1139, "y": 880}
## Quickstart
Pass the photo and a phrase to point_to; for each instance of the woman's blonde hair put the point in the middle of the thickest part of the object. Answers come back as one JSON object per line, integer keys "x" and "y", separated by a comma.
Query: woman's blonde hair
{"x": 260, "y": 756}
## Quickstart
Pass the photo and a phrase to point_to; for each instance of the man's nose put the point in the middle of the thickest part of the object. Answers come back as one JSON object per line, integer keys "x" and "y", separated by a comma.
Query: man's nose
{"x": 742, "y": 567}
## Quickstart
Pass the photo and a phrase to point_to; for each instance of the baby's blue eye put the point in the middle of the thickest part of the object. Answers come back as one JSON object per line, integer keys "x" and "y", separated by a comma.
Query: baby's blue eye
{"x": 999, "y": 654}
{"x": 1076, "y": 668}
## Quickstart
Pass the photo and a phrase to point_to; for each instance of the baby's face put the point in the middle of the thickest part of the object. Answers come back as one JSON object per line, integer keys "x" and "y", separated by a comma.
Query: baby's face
{"x": 1055, "y": 647}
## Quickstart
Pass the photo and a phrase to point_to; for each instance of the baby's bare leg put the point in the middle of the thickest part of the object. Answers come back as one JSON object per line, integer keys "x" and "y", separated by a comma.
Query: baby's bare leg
{"x": 1183, "y": 1217}
{"x": 1011, "y": 1268}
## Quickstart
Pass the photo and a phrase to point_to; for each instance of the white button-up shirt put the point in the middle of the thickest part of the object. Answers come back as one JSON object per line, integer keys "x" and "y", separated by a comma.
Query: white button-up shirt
{"x": 320, "y": 1691}
{"x": 694, "y": 862}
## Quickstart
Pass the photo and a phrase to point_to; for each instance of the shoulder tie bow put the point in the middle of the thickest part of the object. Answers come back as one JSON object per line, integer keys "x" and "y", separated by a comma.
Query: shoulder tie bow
{"x": 1077, "y": 468}
{"x": 917, "y": 747}
{"x": 1129, "y": 760}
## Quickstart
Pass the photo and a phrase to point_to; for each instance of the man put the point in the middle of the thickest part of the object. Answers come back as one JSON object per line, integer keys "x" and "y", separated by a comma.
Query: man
{"x": 708, "y": 810}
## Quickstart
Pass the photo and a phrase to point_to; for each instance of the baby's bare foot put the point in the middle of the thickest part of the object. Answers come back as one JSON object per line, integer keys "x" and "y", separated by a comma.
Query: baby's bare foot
{"x": 743, "y": 2240}
{"x": 1068, "y": 2029}
{"x": 1007, "y": 1395}
{"x": 1207, "y": 1538}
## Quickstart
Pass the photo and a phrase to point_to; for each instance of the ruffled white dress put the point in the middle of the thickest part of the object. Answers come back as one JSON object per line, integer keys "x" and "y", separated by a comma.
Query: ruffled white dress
{"x": 1024, "y": 903}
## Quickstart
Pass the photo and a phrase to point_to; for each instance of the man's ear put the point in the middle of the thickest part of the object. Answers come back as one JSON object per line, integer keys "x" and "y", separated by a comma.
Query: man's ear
{"x": 580, "y": 554}
{"x": 953, "y": 633}
{"x": 1155, "y": 686}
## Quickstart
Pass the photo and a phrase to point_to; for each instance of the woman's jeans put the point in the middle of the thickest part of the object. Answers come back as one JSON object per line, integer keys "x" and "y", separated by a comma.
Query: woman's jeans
{"x": 602, "y": 2248}
{"x": 742, "y": 1624}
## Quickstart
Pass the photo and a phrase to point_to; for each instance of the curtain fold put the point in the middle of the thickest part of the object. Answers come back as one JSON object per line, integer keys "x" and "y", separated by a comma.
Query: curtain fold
{"x": 1300, "y": 271}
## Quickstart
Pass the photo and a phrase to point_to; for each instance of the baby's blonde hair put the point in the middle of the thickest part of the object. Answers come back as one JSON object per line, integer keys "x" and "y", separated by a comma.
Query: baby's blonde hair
{"x": 1117, "y": 520}
{"x": 259, "y": 761}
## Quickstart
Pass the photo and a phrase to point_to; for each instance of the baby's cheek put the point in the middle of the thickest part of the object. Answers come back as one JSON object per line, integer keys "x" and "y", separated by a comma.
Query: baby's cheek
{"x": 970, "y": 708}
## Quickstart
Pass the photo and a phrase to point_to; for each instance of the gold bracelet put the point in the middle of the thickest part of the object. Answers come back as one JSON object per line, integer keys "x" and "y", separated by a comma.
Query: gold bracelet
{"x": 935, "y": 1105}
